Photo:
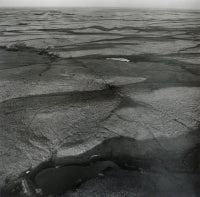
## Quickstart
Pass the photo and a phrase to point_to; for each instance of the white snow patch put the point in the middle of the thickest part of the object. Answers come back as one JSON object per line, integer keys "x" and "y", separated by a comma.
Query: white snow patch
{"x": 119, "y": 59}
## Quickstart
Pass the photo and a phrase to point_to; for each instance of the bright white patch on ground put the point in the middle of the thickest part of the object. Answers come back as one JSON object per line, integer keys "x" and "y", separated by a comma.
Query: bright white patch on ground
{"x": 119, "y": 59}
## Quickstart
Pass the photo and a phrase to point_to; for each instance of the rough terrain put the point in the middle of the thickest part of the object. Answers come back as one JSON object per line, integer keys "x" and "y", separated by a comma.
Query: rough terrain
{"x": 66, "y": 98}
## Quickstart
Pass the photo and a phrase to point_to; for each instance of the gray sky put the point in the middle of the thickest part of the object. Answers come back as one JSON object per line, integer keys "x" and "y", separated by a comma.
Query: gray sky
{"x": 190, "y": 4}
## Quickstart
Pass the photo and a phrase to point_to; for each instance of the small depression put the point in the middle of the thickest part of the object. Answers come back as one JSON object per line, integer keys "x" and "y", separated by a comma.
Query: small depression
{"x": 59, "y": 179}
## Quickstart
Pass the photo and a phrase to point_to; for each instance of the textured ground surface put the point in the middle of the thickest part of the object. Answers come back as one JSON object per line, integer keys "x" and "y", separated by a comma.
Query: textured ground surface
{"x": 63, "y": 93}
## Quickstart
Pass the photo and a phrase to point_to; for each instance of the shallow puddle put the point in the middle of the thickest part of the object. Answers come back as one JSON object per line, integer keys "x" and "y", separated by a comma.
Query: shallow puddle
{"x": 59, "y": 179}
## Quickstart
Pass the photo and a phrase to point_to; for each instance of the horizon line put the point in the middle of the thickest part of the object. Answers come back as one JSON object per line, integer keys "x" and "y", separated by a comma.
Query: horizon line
{"x": 105, "y": 7}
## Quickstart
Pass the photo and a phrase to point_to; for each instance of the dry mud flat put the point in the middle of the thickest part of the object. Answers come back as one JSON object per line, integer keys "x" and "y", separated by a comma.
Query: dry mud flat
{"x": 99, "y": 103}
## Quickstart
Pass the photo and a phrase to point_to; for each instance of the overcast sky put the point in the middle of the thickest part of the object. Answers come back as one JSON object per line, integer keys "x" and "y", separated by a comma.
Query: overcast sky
{"x": 190, "y": 4}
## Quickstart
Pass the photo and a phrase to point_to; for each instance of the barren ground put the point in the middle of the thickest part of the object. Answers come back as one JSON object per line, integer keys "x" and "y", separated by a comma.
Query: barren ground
{"x": 84, "y": 90}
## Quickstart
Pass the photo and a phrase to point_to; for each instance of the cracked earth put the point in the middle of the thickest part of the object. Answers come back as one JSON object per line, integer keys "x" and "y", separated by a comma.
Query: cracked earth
{"x": 99, "y": 102}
